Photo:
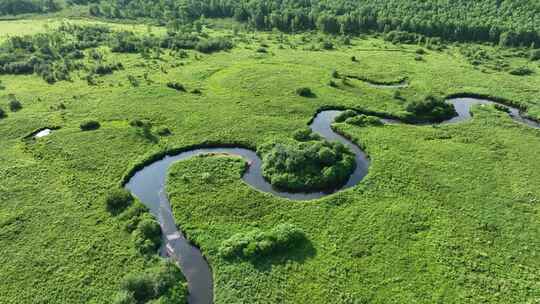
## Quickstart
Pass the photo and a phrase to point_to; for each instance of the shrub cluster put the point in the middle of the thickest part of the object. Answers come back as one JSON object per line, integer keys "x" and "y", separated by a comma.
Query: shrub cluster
{"x": 305, "y": 134}
{"x": 535, "y": 55}
{"x": 305, "y": 92}
{"x": 307, "y": 166}
{"x": 118, "y": 200}
{"x": 52, "y": 55}
{"x": 90, "y": 125}
{"x": 214, "y": 45}
{"x": 364, "y": 120}
{"x": 176, "y": 86}
{"x": 431, "y": 109}
{"x": 257, "y": 243}
{"x": 147, "y": 235}
{"x": 521, "y": 71}
{"x": 2, "y": 113}
{"x": 162, "y": 283}
{"x": 16, "y": 7}
{"x": 344, "y": 115}
{"x": 15, "y": 105}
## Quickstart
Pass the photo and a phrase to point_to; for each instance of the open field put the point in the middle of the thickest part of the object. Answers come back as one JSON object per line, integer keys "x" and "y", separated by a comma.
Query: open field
{"x": 447, "y": 214}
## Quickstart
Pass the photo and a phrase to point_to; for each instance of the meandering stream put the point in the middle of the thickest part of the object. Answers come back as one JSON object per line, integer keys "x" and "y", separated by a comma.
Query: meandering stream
{"x": 148, "y": 184}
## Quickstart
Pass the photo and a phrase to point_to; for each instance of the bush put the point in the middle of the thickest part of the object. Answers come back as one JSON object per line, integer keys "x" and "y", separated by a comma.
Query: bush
{"x": 258, "y": 243}
{"x": 344, "y": 115}
{"x": 15, "y": 105}
{"x": 364, "y": 120}
{"x": 335, "y": 74}
{"x": 327, "y": 45}
{"x": 305, "y": 134}
{"x": 147, "y": 235}
{"x": 521, "y": 71}
{"x": 214, "y": 45}
{"x": 163, "y": 282}
{"x": 107, "y": 68}
{"x": 420, "y": 51}
{"x": 262, "y": 50}
{"x": 332, "y": 84}
{"x": 431, "y": 109}
{"x": 534, "y": 55}
{"x": 133, "y": 81}
{"x": 196, "y": 91}
{"x": 124, "y": 297}
{"x": 2, "y": 113}
{"x": 305, "y": 92}
{"x": 138, "y": 123}
{"x": 176, "y": 86}
{"x": 501, "y": 108}
{"x": 118, "y": 200}
{"x": 354, "y": 59}
{"x": 305, "y": 166}
{"x": 164, "y": 131}
{"x": 90, "y": 125}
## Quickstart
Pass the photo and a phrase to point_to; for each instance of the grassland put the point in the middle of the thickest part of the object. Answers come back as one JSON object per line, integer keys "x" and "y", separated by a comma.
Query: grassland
{"x": 446, "y": 214}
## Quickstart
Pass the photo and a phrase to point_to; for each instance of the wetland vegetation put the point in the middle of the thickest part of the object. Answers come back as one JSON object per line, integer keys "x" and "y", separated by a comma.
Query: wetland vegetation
{"x": 446, "y": 213}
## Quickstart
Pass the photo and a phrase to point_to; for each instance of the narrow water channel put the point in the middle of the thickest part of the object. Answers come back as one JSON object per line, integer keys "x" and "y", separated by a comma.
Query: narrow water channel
{"x": 148, "y": 184}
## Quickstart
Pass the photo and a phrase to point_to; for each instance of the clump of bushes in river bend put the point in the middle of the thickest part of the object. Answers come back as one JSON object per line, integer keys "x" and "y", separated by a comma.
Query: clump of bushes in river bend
{"x": 431, "y": 109}
{"x": 307, "y": 165}
{"x": 258, "y": 243}
{"x": 361, "y": 120}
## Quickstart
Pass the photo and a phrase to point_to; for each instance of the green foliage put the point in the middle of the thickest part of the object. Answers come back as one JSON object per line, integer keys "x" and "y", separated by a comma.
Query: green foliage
{"x": 431, "y": 109}
{"x": 176, "y": 86}
{"x": 364, "y": 120}
{"x": 15, "y": 105}
{"x": 214, "y": 45}
{"x": 2, "y": 113}
{"x": 124, "y": 297}
{"x": 118, "y": 200}
{"x": 147, "y": 235}
{"x": 16, "y": 7}
{"x": 535, "y": 55}
{"x": 307, "y": 166}
{"x": 305, "y": 134}
{"x": 90, "y": 125}
{"x": 344, "y": 115}
{"x": 162, "y": 283}
{"x": 521, "y": 71}
{"x": 258, "y": 244}
{"x": 164, "y": 131}
{"x": 305, "y": 92}
{"x": 133, "y": 81}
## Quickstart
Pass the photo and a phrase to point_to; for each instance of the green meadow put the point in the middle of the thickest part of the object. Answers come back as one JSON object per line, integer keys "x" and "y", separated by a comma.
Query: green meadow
{"x": 446, "y": 214}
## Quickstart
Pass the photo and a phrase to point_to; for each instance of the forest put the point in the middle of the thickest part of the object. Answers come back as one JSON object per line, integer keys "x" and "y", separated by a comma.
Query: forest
{"x": 504, "y": 22}
{"x": 510, "y": 23}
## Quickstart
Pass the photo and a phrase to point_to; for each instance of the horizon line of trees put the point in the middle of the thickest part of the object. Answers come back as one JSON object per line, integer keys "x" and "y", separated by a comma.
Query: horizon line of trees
{"x": 505, "y": 22}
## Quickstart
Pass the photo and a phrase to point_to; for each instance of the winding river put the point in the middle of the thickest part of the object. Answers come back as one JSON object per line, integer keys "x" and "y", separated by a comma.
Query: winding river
{"x": 148, "y": 184}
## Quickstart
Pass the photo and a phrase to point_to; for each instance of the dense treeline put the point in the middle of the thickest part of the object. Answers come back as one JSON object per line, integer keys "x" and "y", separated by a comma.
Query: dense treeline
{"x": 15, "y": 7}
{"x": 508, "y": 22}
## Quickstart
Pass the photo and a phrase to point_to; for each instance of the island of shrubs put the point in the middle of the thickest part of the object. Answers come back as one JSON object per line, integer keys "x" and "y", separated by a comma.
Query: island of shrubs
{"x": 307, "y": 164}
{"x": 257, "y": 243}
{"x": 431, "y": 109}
